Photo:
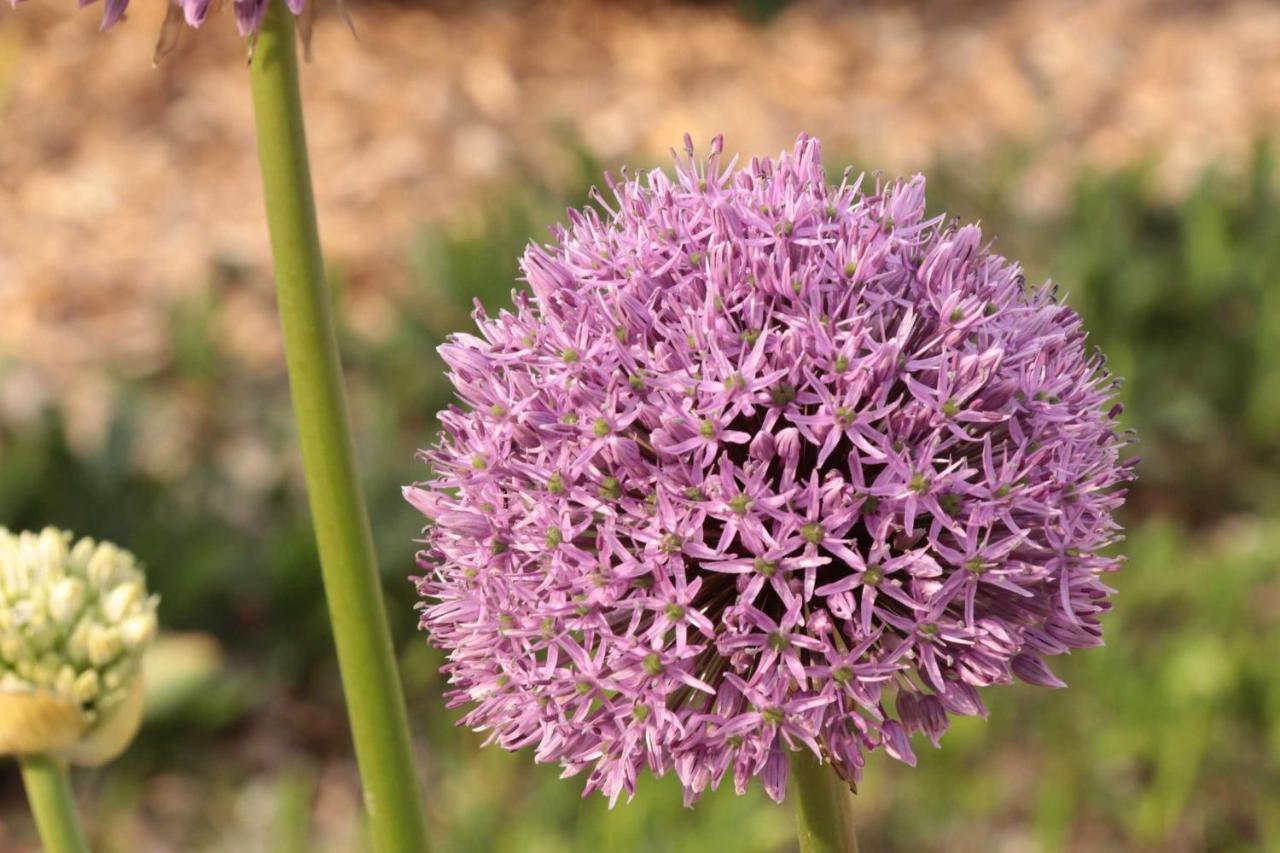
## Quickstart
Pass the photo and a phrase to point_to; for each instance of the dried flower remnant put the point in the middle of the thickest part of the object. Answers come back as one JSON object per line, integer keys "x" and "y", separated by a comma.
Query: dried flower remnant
{"x": 762, "y": 464}
{"x": 75, "y": 620}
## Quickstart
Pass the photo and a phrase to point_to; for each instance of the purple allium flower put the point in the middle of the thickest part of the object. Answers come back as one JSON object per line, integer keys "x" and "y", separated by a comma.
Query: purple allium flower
{"x": 759, "y": 465}
{"x": 248, "y": 13}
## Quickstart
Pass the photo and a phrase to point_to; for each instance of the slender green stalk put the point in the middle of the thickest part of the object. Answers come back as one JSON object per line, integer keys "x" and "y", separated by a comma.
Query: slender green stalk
{"x": 824, "y": 807}
{"x": 53, "y": 805}
{"x": 375, "y": 701}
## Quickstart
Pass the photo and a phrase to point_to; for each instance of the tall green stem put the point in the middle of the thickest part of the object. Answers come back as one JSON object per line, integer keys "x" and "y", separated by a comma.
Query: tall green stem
{"x": 824, "y": 807}
{"x": 53, "y": 805}
{"x": 375, "y": 701}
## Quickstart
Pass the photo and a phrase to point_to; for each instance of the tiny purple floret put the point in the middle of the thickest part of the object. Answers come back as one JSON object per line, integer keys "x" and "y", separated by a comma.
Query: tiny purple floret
{"x": 762, "y": 464}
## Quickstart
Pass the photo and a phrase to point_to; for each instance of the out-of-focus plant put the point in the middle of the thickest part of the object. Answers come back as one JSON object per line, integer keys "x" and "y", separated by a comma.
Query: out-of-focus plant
{"x": 1184, "y": 299}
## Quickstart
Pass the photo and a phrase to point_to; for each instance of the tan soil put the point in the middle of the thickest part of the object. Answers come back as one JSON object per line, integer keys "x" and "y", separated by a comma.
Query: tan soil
{"x": 121, "y": 184}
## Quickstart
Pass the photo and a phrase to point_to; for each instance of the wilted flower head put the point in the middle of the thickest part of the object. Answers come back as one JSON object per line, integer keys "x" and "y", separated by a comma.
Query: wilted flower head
{"x": 760, "y": 465}
{"x": 74, "y": 623}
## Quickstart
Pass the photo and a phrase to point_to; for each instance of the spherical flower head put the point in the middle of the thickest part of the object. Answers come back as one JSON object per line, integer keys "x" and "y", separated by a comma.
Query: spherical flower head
{"x": 75, "y": 620}
{"x": 762, "y": 464}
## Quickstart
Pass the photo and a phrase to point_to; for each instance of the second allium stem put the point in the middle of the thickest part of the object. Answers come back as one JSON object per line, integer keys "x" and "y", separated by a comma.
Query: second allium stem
{"x": 824, "y": 807}
{"x": 375, "y": 701}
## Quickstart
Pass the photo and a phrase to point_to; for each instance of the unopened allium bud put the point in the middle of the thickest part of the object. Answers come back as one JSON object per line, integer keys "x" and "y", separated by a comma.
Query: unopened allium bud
{"x": 866, "y": 472}
{"x": 75, "y": 620}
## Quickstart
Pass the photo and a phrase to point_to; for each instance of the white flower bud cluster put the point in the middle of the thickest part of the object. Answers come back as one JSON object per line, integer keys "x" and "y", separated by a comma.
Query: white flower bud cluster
{"x": 74, "y": 619}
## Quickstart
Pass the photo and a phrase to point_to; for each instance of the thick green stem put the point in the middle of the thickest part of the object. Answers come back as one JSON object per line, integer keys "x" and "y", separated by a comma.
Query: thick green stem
{"x": 53, "y": 805}
{"x": 375, "y": 701}
{"x": 824, "y": 807}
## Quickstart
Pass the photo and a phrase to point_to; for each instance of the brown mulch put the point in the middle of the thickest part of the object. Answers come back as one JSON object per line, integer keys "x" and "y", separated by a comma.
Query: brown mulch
{"x": 121, "y": 185}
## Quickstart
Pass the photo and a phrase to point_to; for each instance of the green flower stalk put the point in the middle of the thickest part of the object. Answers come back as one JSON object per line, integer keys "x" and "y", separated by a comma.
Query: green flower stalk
{"x": 53, "y": 805}
{"x": 75, "y": 620}
{"x": 824, "y": 807}
{"x": 375, "y": 700}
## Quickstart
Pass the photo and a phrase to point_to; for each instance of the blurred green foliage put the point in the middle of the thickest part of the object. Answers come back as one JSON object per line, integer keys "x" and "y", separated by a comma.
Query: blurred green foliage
{"x": 1167, "y": 739}
{"x": 1185, "y": 301}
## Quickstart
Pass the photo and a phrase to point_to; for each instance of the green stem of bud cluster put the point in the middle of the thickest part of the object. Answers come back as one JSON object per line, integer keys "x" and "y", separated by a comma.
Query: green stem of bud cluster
{"x": 52, "y": 804}
{"x": 375, "y": 700}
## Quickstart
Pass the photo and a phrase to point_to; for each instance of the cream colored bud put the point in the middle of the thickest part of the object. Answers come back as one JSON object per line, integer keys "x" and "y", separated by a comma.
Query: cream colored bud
{"x": 66, "y": 682}
{"x": 117, "y": 676}
{"x": 51, "y": 546}
{"x": 41, "y": 633}
{"x": 103, "y": 569}
{"x": 137, "y": 631}
{"x": 21, "y": 612}
{"x": 78, "y": 642}
{"x": 86, "y": 687}
{"x": 15, "y": 570}
{"x": 81, "y": 553}
{"x": 103, "y": 644}
{"x": 66, "y": 600}
{"x": 44, "y": 671}
{"x": 120, "y": 601}
{"x": 11, "y": 683}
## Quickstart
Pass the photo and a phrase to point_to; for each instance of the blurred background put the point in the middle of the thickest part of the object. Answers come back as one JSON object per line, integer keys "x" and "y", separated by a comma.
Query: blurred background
{"x": 1123, "y": 148}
